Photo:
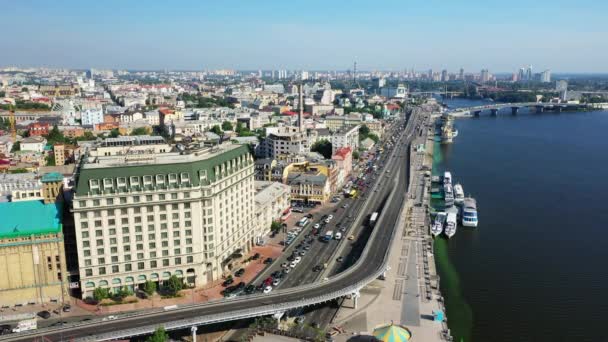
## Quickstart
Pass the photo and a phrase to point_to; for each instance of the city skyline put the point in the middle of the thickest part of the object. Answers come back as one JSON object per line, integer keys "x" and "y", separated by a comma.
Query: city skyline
{"x": 275, "y": 35}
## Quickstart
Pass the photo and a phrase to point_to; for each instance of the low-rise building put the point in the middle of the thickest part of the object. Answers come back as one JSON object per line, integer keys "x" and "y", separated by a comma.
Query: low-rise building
{"x": 33, "y": 144}
{"x": 272, "y": 203}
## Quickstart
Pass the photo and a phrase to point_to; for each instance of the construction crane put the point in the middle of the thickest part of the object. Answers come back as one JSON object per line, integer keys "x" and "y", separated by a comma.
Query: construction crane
{"x": 11, "y": 120}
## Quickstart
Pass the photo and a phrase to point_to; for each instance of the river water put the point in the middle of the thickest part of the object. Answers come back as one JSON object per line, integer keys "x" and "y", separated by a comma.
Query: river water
{"x": 534, "y": 269}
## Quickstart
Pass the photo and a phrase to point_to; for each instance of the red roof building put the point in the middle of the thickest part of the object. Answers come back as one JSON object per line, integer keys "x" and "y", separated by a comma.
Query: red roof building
{"x": 38, "y": 129}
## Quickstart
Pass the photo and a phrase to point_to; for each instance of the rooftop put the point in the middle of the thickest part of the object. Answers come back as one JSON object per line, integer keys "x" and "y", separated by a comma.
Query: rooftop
{"x": 29, "y": 218}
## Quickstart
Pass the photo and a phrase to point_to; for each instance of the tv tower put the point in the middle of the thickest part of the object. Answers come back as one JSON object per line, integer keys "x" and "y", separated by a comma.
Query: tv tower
{"x": 355, "y": 72}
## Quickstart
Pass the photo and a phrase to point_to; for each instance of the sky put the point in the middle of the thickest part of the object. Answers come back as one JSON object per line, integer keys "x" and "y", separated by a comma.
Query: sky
{"x": 502, "y": 36}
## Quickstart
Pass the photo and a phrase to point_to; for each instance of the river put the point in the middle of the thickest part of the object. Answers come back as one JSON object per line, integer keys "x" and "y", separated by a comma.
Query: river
{"x": 533, "y": 270}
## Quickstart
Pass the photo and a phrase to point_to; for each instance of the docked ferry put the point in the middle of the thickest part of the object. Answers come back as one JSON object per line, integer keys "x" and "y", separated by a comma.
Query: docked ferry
{"x": 469, "y": 212}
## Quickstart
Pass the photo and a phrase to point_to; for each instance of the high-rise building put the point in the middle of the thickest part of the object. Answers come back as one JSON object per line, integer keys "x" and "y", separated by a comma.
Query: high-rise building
{"x": 485, "y": 76}
{"x": 529, "y": 74}
{"x": 545, "y": 76}
{"x": 444, "y": 76}
{"x": 461, "y": 74}
{"x": 304, "y": 75}
{"x": 144, "y": 212}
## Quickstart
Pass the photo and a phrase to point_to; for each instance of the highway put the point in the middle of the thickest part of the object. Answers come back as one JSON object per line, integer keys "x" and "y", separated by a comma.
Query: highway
{"x": 395, "y": 180}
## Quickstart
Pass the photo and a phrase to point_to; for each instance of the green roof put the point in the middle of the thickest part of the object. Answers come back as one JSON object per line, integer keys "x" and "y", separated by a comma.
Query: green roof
{"x": 192, "y": 168}
{"x": 52, "y": 177}
{"x": 27, "y": 218}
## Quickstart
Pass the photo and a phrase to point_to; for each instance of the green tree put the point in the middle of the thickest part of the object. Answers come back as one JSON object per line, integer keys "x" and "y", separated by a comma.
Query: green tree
{"x": 101, "y": 294}
{"x": 227, "y": 126}
{"x": 374, "y": 137}
{"x": 139, "y": 131}
{"x": 114, "y": 133}
{"x": 323, "y": 147}
{"x": 16, "y": 146}
{"x": 174, "y": 285}
{"x": 2, "y": 94}
{"x": 24, "y": 89}
{"x": 149, "y": 287}
{"x": 275, "y": 226}
{"x": 50, "y": 160}
{"x": 55, "y": 136}
{"x": 160, "y": 335}
{"x": 217, "y": 130}
{"x": 363, "y": 131}
{"x": 356, "y": 155}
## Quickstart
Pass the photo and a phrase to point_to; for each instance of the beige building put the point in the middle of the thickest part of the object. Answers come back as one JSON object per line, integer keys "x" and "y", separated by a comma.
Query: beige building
{"x": 285, "y": 141}
{"x": 32, "y": 258}
{"x": 59, "y": 153}
{"x": 272, "y": 203}
{"x": 148, "y": 216}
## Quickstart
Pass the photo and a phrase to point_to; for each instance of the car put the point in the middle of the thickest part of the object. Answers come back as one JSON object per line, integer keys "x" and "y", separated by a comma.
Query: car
{"x": 5, "y": 329}
{"x": 290, "y": 258}
{"x": 297, "y": 259}
{"x": 268, "y": 281}
{"x": 275, "y": 274}
{"x": 344, "y": 206}
{"x": 256, "y": 256}
{"x": 249, "y": 289}
{"x": 327, "y": 220}
{"x": 58, "y": 324}
{"x": 268, "y": 261}
{"x": 343, "y": 229}
{"x": 317, "y": 268}
{"x": 276, "y": 282}
{"x": 240, "y": 286}
{"x": 340, "y": 259}
{"x": 330, "y": 217}
{"x": 283, "y": 265}
{"x": 287, "y": 270}
{"x": 240, "y": 272}
{"x": 316, "y": 226}
{"x": 309, "y": 215}
{"x": 267, "y": 289}
{"x": 307, "y": 247}
{"x": 44, "y": 314}
{"x": 293, "y": 264}
{"x": 302, "y": 253}
{"x": 351, "y": 237}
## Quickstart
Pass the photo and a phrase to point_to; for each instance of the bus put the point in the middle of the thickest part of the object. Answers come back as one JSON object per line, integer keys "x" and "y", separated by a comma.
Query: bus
{"x": 303, "y": 221}
{"x": 373, "y": 218}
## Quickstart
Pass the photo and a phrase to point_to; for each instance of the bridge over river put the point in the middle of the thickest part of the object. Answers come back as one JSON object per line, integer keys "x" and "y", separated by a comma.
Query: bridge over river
{"x": 514, "y": 108}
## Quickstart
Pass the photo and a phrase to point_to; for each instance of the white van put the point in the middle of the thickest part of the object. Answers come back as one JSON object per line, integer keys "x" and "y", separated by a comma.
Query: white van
{"x": 338, "y": 236}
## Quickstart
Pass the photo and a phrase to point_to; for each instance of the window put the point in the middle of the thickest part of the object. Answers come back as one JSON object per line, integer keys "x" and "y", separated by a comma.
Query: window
{"x": 160, "y": 179}
{"x": 123, "y": 200}
{"x": 109, "y": 201}
{"x": 128, "y": 257}
{"x": 114, "y": 258}
{"x": 99, "y": 233}
{"x": 94, "y": 184}
{"x": 188, "y": 232}
{"x": 152, "y": 245}
{"x": 135, "y": 199}
{"x": 148, "y": 198}
{"x": 186, "y": 195}
{"x": 112, "y": 231}
{"x": 85, "y": 235}
{"x": 82, "y": 204}
{"x": 188, "y": 250}
{"x": 112, "y": 241}
{"x": 121, "y": 182}
{"x": 177, "y": 251}
{"x": 102, "y": 270}
{"x": 114, "y": 250}
{"x": 84, "y": 224}
{"x": 185, "y": 177}
{"x": 152, "y": 254}
{"x": 88, "y": 272}
{"x": 125, "y": 230}
{"x": 140, "y": 247}
{"x": 186, "y": 205}
{"x": 115, "y": 269}
{"x": 86, "y": 253}
{"x": 126, "y": 239}
{"x": 176, "y": 233}
{"x": 165, "y": 243}
{"x": 174, "y": 206}
{"x": 96, "y": 204}
{"x": 153, "y": 264}
{"x": 134, "y": 181}
{"x": 147, "y": 180}
{"x": 174, "y": 195}
{"x": 190, "y": 259}
{"x": 87, "y": 262}
{"x": 165, "y": 262}
{"x": 127, "y": 267}
{"x": 111, "y": 222}
{"x": 140, "y": 266}
{"x": 178, "y": 261}
{"x": 99, "y": 242}
{"x": 163, "y": 235}
{"x": 108, "y": 183}
{"x": 161, "y": 197}
{"x": 172, "y": 178}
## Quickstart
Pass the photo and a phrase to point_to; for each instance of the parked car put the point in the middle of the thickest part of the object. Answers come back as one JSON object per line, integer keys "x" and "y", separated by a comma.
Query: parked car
{"x": 287, "y": 270}
{"x": 317, "y": 268}
{"x": 340, "y": 259}
{"x": 227, "y": 282}
{"x": 316, "y": 226}
{"x": 276, "y": 282}
{"x": 44, "y": 314}
{"x": 267, "y": 289}
{"x": 293, "y": 264}
{"x": 351, "y": 237}
{"x": 297, "y": 259}
{"x": 256, "y": 256}
{"x": 67, "y": 308}
{"x": 240, "y": 272}
{"x": 268, "y": 261}
{"x": 283, "y": 265}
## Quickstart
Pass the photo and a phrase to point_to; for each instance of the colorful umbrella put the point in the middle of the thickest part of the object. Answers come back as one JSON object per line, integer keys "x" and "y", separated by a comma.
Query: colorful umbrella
{"x": 392, "y": 333}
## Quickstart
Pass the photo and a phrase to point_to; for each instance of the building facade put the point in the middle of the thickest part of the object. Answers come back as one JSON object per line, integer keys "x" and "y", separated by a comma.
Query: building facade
{"x": 346, "y": 137}
{"x": 149, "y": 216}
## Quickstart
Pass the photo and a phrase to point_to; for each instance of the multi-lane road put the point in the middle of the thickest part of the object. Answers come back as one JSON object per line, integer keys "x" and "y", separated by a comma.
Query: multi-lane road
{"x": 392, "y": 182}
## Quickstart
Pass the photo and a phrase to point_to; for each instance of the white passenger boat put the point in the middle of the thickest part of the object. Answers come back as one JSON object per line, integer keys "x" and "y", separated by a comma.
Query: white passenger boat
{"x": 437, "y": 227}
{"x": 451, "y": 225}
{"x": 469, "y": 212}
{"x": 447, "y": 177}
{"x": 458, "y": 193}
{"x": 448, "y": 193}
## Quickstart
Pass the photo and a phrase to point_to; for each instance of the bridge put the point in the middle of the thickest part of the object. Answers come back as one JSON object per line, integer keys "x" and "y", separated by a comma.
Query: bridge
{"x": 371, "y": 264}
{"x": 514, "y": 108}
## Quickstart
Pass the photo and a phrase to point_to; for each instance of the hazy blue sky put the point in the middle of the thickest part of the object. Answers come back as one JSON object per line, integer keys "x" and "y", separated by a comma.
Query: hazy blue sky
{"x": 567, "y": 36}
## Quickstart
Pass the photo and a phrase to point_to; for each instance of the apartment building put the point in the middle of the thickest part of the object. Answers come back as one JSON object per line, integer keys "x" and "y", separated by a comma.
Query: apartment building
{"x": 148, "y": 216}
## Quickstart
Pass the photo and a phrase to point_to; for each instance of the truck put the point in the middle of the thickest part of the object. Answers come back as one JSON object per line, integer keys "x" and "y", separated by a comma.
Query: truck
{"x": 373, "y": 219}
{"x": 328, "y": 235}
{"x": 25, "y": 325}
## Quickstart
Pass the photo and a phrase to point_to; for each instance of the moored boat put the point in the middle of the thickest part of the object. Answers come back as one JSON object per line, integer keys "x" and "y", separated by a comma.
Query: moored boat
{"x": 469, "y": 212}
{"x": 437, "y": 227}
{"x": 451, "y": 224}
{"x": 458, "y": 193}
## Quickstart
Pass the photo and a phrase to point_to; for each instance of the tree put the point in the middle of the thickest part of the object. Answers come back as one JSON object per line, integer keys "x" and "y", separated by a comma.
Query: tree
{"x": 217, "y": 130}
{"x": 160, "y": 335}
{"x": 114, "y": 133}
{"x": 374, "y": 137}
{"x": 16, "y": 146}
{"x": 227, "y": 126}
{"x": 174, "y": 285}
{"x": 24, "y": 89}
{"x": 275, "y": 226}
{"x": 139, "y": 131}
{"x": 323, "y": 147}
{"x": 363, "y": 131}
{"x": 55, "y": 136}
{"x": 149, "y": 287}
{"x": 50, "y": 160}
{"x": 100, "y": 294}
{"x": 355, "y": 155}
